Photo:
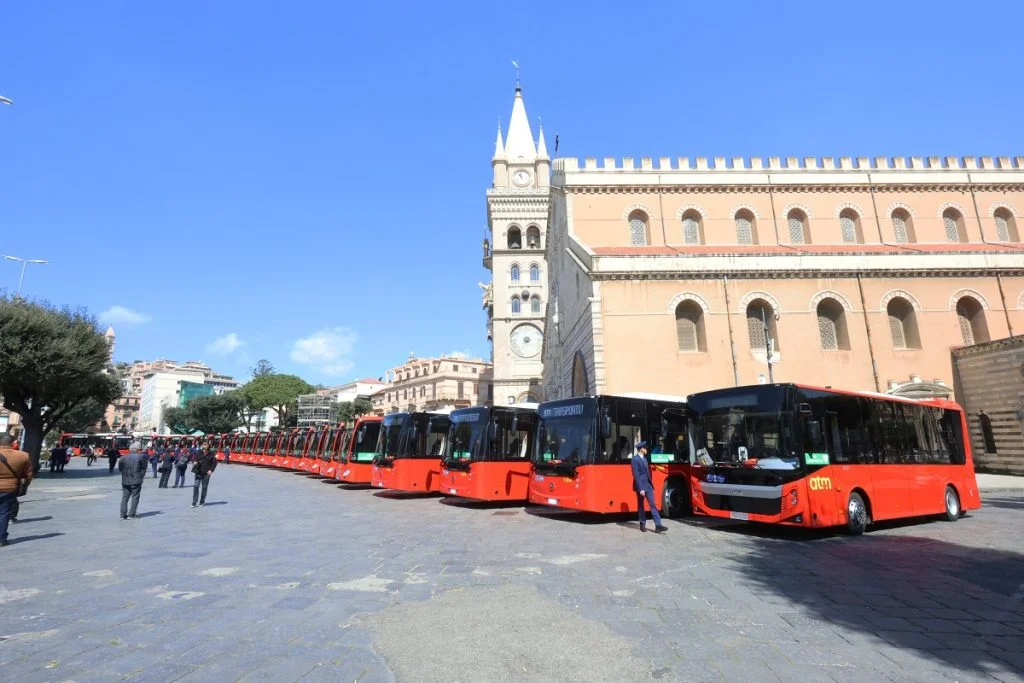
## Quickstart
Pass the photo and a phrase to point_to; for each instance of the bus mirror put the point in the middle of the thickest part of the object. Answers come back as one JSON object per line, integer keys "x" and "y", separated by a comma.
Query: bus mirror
{"x": 606, "y": 426}
{"x": 492, "y": 431}
{"x": 814, "y": 432}
{"x": 360, "y": 435}
{"x": 805, "y": 409}
{"x": 515, "y": 424}
{"x": 664, "y": 428}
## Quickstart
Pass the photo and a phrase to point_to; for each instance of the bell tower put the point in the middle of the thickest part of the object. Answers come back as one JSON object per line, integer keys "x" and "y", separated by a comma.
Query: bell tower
{"x": 517, "y": 212}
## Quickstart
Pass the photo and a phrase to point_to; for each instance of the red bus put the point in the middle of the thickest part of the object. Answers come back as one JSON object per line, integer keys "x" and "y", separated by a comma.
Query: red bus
{"x": 78, "y": 442}
{"x": 259, "y": 448}
{"x": 488, "y": 452}
{"x": 246, "y": 449}
{"x": 358, "y": 450}
{"x": 805, "y": 456}
{"x": 329, "y": 453}
{"x": 409, "y": 451}
{"x": 284, "y": 448}
{"x": 584, "y": 447}
{"x": 299, "y": 446}
{"x": 273, "y": 448}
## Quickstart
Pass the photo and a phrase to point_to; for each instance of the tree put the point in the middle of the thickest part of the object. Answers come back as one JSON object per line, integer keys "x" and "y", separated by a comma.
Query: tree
{"x": 176, "y": 420}
{"x": 277, "y": 392}
{"x": 350, "y": 410}
{"x": 84, "y": 415}
{"x": 262, "y": 368}
{"x": 214, "y": 414}
{"x": 51, "y": 361}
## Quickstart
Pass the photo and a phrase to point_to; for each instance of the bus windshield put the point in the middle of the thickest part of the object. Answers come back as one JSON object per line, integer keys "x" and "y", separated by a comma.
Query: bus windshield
{"x": 389, "y": 438}
{"x": 566, "y": 433}
{"x": 466, "y": 435}
{"x": 745, "y": 427}
{"x": 364, "y": 442}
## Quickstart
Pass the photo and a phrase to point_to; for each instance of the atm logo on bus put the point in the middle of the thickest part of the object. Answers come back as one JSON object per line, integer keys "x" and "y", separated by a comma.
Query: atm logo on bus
{"x": 820, "y": 484}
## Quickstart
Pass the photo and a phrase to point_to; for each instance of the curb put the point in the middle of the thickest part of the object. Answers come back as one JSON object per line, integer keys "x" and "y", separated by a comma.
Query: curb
{"x": 1004, "y": 490}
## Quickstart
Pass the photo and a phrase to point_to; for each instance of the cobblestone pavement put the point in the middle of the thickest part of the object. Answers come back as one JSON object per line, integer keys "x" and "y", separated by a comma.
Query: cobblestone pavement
{"x": 282, "y": 577}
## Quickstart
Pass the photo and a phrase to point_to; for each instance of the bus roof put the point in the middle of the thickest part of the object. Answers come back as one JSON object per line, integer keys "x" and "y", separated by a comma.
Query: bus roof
{"x": 645, "y": 396}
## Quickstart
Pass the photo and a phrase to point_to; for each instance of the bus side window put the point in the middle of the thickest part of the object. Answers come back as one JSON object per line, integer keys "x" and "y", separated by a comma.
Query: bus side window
{"x": 952, "y": 434}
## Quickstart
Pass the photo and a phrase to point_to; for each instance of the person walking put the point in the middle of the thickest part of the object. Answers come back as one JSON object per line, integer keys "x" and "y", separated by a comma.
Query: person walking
{"x": 56, "y": 456}
{"x": 90, "y": 457}
{"x": 227, "y": 454}
{"x": 181, "y": 461}
{"x": 133, "y": 473}
{"x": 644, "y": 488}
{"x": 203, "y": 467}
{"x": 15, "y": 477}
{"x": 65, "y": 458}
{"x": 154, "y": 460}
{"x": 166, "y": 465}
{"x": 112, "y": 455}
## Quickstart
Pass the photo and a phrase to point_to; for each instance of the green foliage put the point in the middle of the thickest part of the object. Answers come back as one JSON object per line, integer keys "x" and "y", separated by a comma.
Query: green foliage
{"x": 277, "y": 392}
{"x": 176, "y": 420}
{"x": 262, "y": 368}
{"x": 215, "y": 414}
{"x": 81, "y": 417}
{"x": 51, "y": 361}
{"x": 350, "y": 410}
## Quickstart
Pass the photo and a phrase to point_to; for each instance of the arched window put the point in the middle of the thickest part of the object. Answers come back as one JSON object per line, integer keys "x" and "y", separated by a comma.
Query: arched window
{"x": 515, "y": 238}
{"x": 971, "y": 316}
{"x": 514, "y": 273}
{"x": 903, "y": 226}
{"x": 903, "y": 324}
{"x": 638, "y": 234}
{"x": 760, "y": 312}
{"x": 832, "y": 326}
{"x": 987, "y": 435}
{"x": 954, "y": 225}
{"x": 690, "y": 327}
{"x": 745, "y": 233}
{"x": 849, "y": 224}
{"x": 1006, "y": 226}
{"x": 535, "y": 304}
{"x": 533, "y": 237}
{"x": 797, "y": 221}
{"x": 535, "y": 273}
{"x": 692, "y": 228}
{"x": 516, "y": 305}
{"x": 580, "y": 385}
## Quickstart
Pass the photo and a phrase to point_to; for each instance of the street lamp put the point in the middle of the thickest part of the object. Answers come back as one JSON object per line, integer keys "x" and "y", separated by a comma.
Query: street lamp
{"x": 24, "y": 265}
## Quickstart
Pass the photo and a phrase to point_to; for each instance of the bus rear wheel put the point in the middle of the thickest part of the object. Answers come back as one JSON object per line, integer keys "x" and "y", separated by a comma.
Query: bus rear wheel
{"x": 675, "y": 499}
{"x": 952, "y": 505}
{"x": 856, "y": 515}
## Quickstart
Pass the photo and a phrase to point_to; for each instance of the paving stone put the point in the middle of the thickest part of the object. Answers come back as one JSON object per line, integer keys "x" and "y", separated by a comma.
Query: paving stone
{"x": 290, "y": 579}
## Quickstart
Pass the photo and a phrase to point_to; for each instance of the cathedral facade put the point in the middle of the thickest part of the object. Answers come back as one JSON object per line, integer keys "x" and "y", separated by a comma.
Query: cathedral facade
{"x": 676, "y": 276}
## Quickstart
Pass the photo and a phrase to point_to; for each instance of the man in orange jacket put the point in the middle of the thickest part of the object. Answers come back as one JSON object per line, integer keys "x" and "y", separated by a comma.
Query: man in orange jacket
{"x": 15, "y": 465}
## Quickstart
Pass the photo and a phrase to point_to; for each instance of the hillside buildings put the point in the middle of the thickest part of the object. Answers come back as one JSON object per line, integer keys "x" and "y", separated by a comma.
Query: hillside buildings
{"x": 152, "y": 386}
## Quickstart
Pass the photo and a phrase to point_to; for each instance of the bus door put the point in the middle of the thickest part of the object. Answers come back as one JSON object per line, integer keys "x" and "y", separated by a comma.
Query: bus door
{"x": 826, "y": 490}
{"x": 890, "y": 477}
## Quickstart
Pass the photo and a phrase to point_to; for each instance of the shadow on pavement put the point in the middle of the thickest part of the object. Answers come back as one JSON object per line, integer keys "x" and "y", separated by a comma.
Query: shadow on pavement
{"x": 37, "y": 537}
{"x": 151, "y": 513}
{"x": 954, "y": 604}
{"x": 77, "y": 473}
{"x": 354, "y": 487}
{"x": 1008, "y": 502}
{"x": 35, "y": 519}
{"x": 574, "y": 517}
{"x": 481, "y": 504}
{"x": 217, "y": 502}
{"x": 406, "y": 495}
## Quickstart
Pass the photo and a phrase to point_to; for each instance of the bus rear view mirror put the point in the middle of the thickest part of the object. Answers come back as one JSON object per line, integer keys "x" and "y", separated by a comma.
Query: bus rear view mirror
{"x": 664, "y": 427}
{"x": 360, "y": 435}
{"x": 805, "y": 409}
{"x": 606, "y": 426}
{"x": 492, "y": 432}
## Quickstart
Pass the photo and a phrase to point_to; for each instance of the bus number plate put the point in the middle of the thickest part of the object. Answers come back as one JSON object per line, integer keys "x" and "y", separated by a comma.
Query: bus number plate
{"x": 739, "y": 515}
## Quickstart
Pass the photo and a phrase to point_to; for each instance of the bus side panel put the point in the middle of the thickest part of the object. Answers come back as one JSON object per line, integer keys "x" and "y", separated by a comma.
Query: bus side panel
{"x": 356, "y": 472}
{"x": 890, "y": 495}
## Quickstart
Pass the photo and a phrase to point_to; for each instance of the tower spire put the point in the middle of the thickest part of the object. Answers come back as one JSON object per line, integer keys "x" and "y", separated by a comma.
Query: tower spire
{"x": 542, "y": 148}
{"x": 499, "y": 146}
{"x": 519, "y": 141}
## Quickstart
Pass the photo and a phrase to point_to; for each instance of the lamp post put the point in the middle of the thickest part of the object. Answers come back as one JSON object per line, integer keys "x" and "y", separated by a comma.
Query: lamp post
{"x": 767, "y": 346}
{"x": 24, "y": 265}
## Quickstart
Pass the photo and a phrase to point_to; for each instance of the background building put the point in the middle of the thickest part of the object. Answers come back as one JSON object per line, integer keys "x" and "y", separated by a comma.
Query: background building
{"x": 990, "y": 386}
{"x": 675, "y": 277}
{"x": 517, "y": 212}
{"x": 152, "y": 386}
{"x": 434, "y": 383}
{"x": 361, "y": 388}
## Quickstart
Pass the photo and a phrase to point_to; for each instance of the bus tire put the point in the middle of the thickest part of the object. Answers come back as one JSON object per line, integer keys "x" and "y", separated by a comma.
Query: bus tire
{"x": 953, "y": 510}
{"x": 856, "y": 515}
{"x": 675, "y": 499}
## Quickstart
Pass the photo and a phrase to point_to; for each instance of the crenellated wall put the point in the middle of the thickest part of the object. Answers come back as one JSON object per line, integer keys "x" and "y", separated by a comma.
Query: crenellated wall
{"x": 661, "y": 164}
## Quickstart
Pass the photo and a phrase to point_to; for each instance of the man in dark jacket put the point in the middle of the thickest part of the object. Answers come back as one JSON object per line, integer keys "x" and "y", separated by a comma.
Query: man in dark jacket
{"x": 204, "y": 465}
{"x": 133, "y": 473}
{"x": 112, "y": 455}
{"x": 644, "y": 488}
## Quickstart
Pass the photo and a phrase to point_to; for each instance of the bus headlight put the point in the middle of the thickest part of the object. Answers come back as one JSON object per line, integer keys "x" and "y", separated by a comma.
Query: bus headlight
{"x": 792, "y": 498}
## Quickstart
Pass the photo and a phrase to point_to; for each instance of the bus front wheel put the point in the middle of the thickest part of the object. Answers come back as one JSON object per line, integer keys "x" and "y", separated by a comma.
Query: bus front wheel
{"x": 675, "y": 499}
{"x": 857, "y": 515}
{"x": 952, "y": 505}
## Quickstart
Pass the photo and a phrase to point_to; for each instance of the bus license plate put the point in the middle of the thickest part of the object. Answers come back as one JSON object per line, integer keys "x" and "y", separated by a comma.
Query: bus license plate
{"x": 739, "y": 515}
{"x": 552, "y": 501}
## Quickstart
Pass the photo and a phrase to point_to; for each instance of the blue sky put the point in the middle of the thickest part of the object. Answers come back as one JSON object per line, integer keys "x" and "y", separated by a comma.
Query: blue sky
{"x": 309, "y": 177}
